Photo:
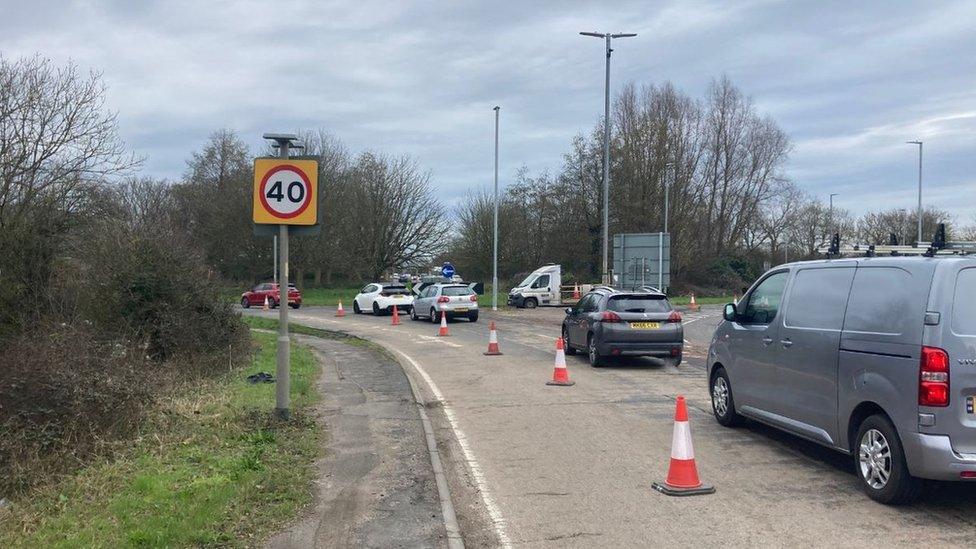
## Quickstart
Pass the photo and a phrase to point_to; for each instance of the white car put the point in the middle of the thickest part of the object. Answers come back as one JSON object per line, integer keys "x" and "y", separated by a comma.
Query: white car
{"x": 457, "y": 300}
{"x": 380, "y": 298}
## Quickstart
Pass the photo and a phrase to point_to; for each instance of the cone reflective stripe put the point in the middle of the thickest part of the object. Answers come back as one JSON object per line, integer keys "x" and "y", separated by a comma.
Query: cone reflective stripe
{"x": 682, "y": 477}
{"x": 340, "y": 311}
{"x": 443, "y": 331}
{"x": 492, "y": 340}
{"x": 560, "y": 375}
{"x": 576, "y": 291}
{"x": 266, "y": 303}
{"x": 396, "y": 317}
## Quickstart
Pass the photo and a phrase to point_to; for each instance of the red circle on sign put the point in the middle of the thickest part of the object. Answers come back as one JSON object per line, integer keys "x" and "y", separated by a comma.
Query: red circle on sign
{"x": 308, "y": 195}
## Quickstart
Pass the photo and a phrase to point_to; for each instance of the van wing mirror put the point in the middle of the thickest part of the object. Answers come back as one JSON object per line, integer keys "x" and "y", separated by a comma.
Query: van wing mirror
{"x": 729, "y": 313}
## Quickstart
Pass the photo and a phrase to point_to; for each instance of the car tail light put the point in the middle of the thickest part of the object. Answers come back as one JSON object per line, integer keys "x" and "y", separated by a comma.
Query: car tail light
{"x": 443, "y": 299}
{"x": 967, "y": 474}
{"x": 933, "y": 378}
{"x": 610, "y": 316}
{"x": 675, "y": 316}
{"x": 474, "y": 297}
{"x": 675, "y": 351}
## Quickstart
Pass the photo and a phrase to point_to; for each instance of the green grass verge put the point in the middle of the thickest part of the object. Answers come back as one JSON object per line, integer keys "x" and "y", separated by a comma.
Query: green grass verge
{"x": 684, "y": 300}
{"x": 211, "y": 468}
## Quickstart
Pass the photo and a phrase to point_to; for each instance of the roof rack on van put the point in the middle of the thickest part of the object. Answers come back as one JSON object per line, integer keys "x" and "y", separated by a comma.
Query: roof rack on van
{"x": 937, "y": 247}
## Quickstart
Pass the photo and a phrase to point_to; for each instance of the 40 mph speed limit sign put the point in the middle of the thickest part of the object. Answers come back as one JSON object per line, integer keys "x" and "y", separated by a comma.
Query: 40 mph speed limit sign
{"x": 285, "y": 191}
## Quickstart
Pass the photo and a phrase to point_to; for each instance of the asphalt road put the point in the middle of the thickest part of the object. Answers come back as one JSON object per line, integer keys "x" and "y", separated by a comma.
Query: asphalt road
{"x": 535, "y": 465}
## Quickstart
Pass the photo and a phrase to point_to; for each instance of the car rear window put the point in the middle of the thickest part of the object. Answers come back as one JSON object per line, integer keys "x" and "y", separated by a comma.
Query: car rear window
{"x": 639, "y": 304}
{"x": 964, "y": 303}
{"x": 395, "y": 290}
{"x": 456, "y": 291}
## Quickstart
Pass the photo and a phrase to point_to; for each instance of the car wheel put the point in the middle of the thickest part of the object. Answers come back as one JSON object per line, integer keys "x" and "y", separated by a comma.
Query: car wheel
{"x": 880, "y": 462}
{"x": 594, "y": 353}
{"x": 295, "y": 306}
{"x": 433, "y": 316}
{"x": 723, "y": 405}
{"x": 413, "y": 314}
{"x": 376, "y": 309}
{"x": 355, "y": 307}
{"x": 274, "y": 304}
{"x": 245, "y": 303}
{"x": 473, "y": 317}
{"x": 569, "y": 348}
{"x": 531, "y": 303}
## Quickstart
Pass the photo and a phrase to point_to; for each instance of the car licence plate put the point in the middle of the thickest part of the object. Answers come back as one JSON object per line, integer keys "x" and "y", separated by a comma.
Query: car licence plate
{"x": 645, "y": 325}
{"x": 461, "y": 310}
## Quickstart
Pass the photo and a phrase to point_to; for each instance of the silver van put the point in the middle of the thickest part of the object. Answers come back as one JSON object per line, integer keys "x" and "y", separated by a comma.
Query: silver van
{"x": 874, "y": 357}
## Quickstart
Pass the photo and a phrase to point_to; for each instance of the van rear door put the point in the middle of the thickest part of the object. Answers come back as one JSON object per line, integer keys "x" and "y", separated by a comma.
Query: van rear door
{"x": 958, "y": 339}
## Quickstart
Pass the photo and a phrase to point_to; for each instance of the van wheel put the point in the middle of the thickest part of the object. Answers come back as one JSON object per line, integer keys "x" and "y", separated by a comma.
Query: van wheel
{"x": 880, "y": 462}
{"x": 570, "y": 350}
{"x": 723, "y": 405}
{"x": 594, "y": 353}
{"x": 531, "y": 303}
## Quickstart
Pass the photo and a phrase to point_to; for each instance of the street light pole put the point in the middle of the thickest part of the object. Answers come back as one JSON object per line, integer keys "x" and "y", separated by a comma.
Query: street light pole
{"x": 494, "y": 259}
{"x": 919, "y": 143}
{"x": 606, "y": 148}
{"x": 830, "y": 214}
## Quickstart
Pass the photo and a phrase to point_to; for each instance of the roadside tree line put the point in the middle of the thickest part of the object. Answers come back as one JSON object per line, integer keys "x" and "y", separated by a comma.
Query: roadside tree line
{"x": 732, "y": 207}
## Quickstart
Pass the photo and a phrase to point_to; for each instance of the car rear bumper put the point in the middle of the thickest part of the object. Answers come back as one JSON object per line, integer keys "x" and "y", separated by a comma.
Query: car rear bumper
{"x": 635, "y": 348}
{"x": 932, "y": 457}
{"x": 453, "y": 311}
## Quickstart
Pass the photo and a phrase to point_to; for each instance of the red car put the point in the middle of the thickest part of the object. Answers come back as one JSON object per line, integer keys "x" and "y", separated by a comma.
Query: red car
{"x": 269, "y": 290}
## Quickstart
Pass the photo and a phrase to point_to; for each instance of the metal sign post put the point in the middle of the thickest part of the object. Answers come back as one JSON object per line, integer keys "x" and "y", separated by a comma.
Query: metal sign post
{"x": 285, "y": 194}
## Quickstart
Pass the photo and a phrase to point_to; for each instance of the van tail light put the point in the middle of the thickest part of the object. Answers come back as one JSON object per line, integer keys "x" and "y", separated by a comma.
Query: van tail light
{"x": 675, "y": 316}
{"x": 610, "y": 316}
{"x": 474, "y": 298}
{"x": 933, "y": 378}
{"x": 443, "y": 299}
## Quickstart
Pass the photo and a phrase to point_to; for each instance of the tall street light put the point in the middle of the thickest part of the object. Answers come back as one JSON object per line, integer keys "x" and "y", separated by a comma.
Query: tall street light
{"x": 919, "y": 143}
{"x": 494, "y": 259}
{"x": 606, "y": 147}
{"x": 830, "y": 213}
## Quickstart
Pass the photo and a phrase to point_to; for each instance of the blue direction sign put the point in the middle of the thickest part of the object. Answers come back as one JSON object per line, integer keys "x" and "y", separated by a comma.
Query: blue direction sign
{"x": 447, "y": 271}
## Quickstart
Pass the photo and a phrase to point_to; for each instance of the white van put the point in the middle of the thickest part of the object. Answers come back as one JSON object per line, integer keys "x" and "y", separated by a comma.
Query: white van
{"x": 542, "y": 288}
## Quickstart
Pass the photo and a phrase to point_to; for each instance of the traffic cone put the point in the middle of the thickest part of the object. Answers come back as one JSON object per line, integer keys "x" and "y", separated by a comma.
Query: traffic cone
{"x": 266, "y": 307}
{"x": 443, "y": 330}
{"x": 396, "y": 317}
{"x": 340, "y": 312}
{"x": 735, "y": 299}
{"x": 560, "y": 375}
{"x": 693, "y": 306}
{"x": 682, "y": 473}
{"x": 492, "y": 340}
{"x": 576, "y": 292}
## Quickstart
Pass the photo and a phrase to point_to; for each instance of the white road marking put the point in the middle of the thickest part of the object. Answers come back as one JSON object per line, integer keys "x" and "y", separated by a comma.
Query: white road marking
{"x": 498, "y": 522}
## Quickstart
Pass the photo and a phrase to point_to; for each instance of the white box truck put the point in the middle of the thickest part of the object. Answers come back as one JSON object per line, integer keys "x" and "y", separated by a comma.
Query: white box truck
{"x": 543, "y": 287}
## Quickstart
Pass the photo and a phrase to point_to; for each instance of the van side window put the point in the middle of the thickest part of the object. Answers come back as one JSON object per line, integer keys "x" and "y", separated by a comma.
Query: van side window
{"x": 880, "y": 305}
{"x": 541, "y": 282}
{"x": 765, "y": 299}
{"x": 964, "y": 303}
{"x": 818, "y": 298}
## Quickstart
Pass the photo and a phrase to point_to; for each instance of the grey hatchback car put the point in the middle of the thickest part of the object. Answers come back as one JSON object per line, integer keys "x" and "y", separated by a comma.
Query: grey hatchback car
{"x": 608, "y": 322}
{"x": 874, "y": 357}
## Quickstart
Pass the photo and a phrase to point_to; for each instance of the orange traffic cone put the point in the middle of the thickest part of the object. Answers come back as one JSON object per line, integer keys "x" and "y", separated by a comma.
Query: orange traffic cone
{"x": 266, "y": 307}
{"x": 682, "y": 473}
{"x": 735, "y": 299}
{"x": 340, "y": 312}
{"x": 560, "y": 375}
{"x": 693, "y": 306}
{"x": 492, "y": 340}
{"x": 443, "y": 330}
{"x": 396, "y": 317}
{"x": 576, "y": 292}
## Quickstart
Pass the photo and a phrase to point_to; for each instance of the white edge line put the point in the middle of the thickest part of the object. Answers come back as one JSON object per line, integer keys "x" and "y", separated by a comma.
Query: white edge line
{"x": 498, "y": 522}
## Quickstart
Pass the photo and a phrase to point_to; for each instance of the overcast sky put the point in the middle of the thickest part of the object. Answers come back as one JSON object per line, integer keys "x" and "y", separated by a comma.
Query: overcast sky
{"x": 849, "y": 84}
